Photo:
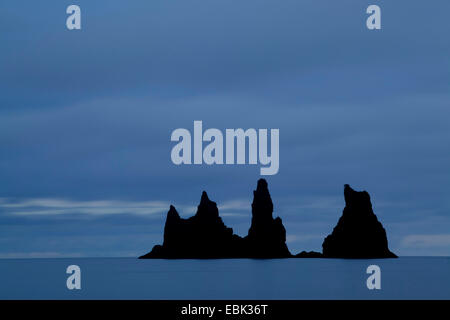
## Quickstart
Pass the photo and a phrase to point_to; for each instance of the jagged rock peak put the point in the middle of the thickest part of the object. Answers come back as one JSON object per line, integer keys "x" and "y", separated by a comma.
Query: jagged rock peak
{"x": 262, "y": 206}
{"x": 172, "y": 214}
{"x": 262, "y": 191}
{"x": 204, "y": 197}
{"x": 267, "y": 236}
{"x": 262, "y": 185}
{"x": 358, "y": 201}
{"x": 358, "y": 233}
{"x": 206, "y": 207}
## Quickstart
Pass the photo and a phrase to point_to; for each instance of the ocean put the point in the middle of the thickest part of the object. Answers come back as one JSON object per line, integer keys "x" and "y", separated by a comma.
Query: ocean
{"x": 129, "y": 278}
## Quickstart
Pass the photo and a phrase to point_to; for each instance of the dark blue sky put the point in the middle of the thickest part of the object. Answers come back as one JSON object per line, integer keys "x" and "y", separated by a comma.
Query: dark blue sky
{"x": 86, "y": 118}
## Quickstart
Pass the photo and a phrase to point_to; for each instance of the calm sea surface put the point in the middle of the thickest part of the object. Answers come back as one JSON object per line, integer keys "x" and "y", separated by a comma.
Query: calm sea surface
{"x": 126, "y": 278}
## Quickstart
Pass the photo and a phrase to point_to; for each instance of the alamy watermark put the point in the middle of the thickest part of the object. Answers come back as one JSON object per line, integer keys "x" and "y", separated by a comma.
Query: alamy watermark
{"x": 234, "y": 152}
{"x": 74, "y": 280}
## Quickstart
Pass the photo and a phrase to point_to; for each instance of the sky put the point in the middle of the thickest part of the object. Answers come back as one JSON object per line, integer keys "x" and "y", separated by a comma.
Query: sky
{"x": 86, "y": 118}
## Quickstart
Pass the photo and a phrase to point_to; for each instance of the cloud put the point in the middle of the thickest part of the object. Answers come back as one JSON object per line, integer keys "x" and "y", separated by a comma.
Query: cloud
{"x": 235, "y": 205}
{"x": 291, "y": 238}
{"x": 49, "y": 206}
{"x": 56, "y": 206}
{"x": 331, "y": 203}
{"x": 88, "y": 118}
{"x": 34, "y": 255}
{"x": 426, "y": 240}
{"x": 233, "y": 214}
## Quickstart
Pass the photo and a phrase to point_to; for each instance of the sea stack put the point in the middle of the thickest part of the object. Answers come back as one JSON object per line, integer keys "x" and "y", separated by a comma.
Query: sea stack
{"x": 202, "y": 236}
{"x": 358, "y": 233}
{"x": 205, "y": 236}
{"x": 266, "y": 236}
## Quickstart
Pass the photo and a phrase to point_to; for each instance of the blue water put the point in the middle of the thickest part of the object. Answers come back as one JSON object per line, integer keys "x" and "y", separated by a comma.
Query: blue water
{"x": 126, "y": 278}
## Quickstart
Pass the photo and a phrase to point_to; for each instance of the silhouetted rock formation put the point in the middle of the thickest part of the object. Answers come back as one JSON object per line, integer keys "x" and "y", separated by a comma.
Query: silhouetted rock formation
{"x": 358, "y": 233}
{"x": 206, "y": 236}
{"x": 266, "y": 236}
{"x": 310, "y": 254}
{"x": 203, "y": 235}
